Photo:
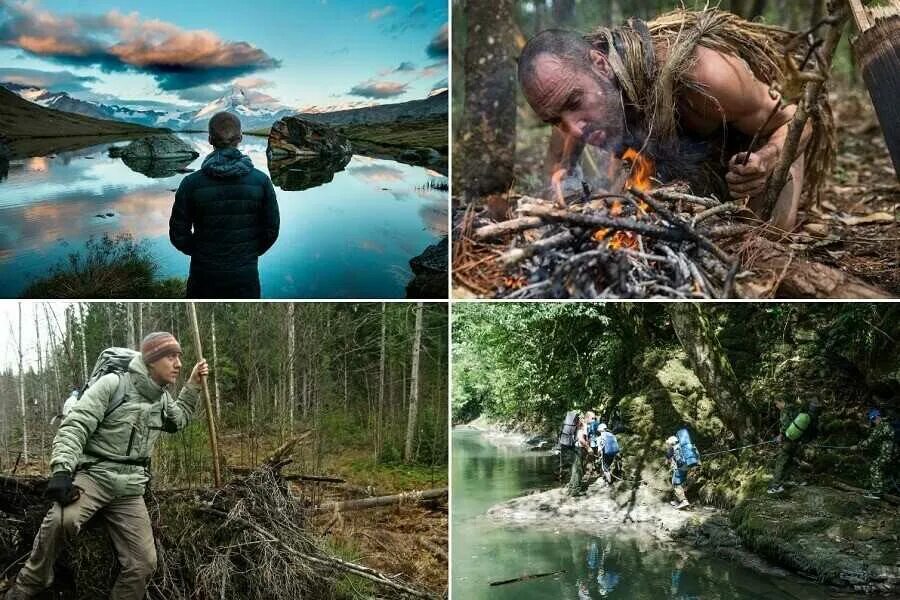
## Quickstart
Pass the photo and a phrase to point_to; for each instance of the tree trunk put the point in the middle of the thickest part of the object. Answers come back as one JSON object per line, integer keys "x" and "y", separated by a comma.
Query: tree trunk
{"x": 379, "y": 414}
{"x": 84, "y": 367}
{"x": 129, "y": 315}
{"x": 22, "y": 393}
{"x": 414, "y": 387}
{"x": 487, "y": 135}
{"x": 709, "y": 362}
{"x": 292, "y": 364}
{"x": 140, "y": 329}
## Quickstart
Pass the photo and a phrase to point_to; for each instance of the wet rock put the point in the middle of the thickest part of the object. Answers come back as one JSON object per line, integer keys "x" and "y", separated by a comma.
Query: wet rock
{"x": 115, "y": 151}
{"x": 429, "y": 272}
{"x": 295, "y": 174}
{"x": 301, "y": 138}
{"x": 157, "y": 168}
{"x": 159, "y": 147}
{"x": 830, "y": 535}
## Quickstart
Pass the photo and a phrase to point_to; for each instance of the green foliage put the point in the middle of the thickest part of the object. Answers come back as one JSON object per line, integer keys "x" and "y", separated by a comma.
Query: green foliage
{"x": 111, "y": 267}
{"x": 524, "y": 365}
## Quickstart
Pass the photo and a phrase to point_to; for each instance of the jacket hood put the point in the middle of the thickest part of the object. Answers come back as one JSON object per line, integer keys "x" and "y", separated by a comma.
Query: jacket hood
{"x": 141, "y": 378}
{"x": 227, "y": 162}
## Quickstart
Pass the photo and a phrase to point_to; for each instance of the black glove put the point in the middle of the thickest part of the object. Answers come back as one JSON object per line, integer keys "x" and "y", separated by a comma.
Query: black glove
{"x": 60, "y": 489}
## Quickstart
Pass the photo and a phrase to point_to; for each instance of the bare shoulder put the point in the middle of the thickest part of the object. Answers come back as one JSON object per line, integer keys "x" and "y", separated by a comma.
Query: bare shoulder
{"x": 727, "y": 83}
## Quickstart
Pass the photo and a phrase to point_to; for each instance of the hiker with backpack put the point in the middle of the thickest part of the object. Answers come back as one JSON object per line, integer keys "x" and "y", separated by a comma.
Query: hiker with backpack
{"x": 608, "y": 446}
{"x": 573, "y": 447}
{"x": 881, "y": 439}
{"x": 681, "y": 456}
{"x": 101, "y": 458}
{"x": 796, "y": 429}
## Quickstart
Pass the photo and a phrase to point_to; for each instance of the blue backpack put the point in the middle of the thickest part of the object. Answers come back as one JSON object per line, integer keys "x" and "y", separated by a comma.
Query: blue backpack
{"x": 610, "y": 444}
{"x": 686, "y": 455}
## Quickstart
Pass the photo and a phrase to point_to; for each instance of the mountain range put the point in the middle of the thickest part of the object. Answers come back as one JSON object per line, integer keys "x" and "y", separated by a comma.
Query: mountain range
{"x": 255, "y": 110}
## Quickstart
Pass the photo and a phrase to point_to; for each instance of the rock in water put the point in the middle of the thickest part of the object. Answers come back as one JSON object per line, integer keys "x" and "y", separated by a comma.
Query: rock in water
{"x": 156, "y": 147}
{"x": 296, "y": 136}
{"x": 430, "y": 272}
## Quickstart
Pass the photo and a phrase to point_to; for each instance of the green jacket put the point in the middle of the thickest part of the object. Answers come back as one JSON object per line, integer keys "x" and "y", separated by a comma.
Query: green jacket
{"x": 86, "y": 437}
{"x": 881, "y": 438}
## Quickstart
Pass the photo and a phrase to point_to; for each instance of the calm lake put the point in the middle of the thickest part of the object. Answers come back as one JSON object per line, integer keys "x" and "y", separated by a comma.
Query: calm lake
{"x": 597, "y": 566}
{"x": 349, "y": 238}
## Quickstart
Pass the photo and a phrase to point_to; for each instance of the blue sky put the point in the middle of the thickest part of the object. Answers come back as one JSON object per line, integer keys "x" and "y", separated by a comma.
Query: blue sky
{"x": 299, "y": 53}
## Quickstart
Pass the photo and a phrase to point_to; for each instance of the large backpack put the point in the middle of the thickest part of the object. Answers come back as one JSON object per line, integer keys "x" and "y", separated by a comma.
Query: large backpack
{"x": 568, "y": 430}
{"x": 798, "y": 426}
{"x": 610, "y": 444}
{"x": 686, "y": 456}
{"x": 111, "y": 360}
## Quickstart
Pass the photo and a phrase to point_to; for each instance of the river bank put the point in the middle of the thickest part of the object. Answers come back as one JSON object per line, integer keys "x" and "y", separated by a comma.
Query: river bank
{"x": 827, "y": 535}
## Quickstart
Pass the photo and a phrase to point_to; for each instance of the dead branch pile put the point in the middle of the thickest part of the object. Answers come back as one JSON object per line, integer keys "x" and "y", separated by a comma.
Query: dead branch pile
{"x": 250, "y": 539}
{"x": 666, "y": 243}
{"x": 629, "y": 245}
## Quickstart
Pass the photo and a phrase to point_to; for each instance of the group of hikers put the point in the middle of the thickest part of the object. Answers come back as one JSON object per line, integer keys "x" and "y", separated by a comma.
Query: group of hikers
{"x": 586, "y": 444}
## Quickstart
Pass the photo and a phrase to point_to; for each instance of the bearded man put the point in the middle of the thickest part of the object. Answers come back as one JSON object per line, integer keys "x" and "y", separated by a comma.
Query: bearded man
{"x": 690, "y": 90}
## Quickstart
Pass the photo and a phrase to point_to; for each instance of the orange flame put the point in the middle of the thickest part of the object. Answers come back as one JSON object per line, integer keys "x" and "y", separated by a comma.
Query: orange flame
{"x": 600, "y": 234}
{"x": 623, "y": 239}
{"x": 642, "y": 169}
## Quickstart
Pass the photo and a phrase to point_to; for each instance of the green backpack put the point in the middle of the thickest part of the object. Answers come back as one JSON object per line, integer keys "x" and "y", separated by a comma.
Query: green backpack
{"x": 798, "y": 426}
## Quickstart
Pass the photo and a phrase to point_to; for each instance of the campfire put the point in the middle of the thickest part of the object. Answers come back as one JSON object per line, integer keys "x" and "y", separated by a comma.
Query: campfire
{"x": 639, "y": 242}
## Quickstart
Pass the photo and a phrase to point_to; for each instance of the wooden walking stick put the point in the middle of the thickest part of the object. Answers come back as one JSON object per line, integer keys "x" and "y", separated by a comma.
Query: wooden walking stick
{"x": 210, "y": 418}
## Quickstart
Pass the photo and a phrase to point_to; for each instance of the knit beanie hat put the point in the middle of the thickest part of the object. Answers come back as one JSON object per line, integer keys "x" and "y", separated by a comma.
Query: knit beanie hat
{"x": 158, "y": 344}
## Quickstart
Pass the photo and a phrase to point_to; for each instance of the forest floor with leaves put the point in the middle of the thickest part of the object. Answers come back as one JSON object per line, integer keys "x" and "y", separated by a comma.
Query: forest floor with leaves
{"x": 853, "y": 229}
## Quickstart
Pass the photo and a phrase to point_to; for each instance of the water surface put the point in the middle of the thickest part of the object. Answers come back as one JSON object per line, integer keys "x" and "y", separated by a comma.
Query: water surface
{"x": 597, "y": 566}
{"x": 349, "y": 238}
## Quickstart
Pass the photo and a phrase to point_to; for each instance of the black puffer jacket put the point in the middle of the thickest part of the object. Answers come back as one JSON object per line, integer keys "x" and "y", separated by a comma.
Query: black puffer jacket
{"x": 225, "y": 216}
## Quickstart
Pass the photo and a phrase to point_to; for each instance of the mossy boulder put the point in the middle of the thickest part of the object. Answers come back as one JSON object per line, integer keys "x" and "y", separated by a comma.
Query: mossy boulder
{"x": 836, "y": 537}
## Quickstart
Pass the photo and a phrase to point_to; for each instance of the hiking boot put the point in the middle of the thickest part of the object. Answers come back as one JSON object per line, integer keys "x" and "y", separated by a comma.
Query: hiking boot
{"x": 872, "y": 496}
{"x": 683, "y": 504}
{"x": 775, "y": 489}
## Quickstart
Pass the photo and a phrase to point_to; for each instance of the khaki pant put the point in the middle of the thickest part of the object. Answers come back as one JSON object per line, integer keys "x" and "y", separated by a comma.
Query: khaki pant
{"x": 128, "y": 524}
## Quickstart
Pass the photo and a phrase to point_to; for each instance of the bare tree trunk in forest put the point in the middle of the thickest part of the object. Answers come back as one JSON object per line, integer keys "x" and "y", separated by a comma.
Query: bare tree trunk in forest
{"x": 709, "y": 362}
{"x": 129, "y": 315}
{"x": 292, "y": 364}
{"x": 140, "y": 329}
{"x": 487, "y": 136}
{"x": 109, "y": 321}
{"x": 564, "y": 11}
{"x": 414, "y": 387}
{"x": 615, "y": 12}
{"x": 84, "y": 371}
{"x": 41, "y": 376}
{"x": 22, "y": 393}
{"x": 379, "y": 414}
{"x": 215, "y": 365}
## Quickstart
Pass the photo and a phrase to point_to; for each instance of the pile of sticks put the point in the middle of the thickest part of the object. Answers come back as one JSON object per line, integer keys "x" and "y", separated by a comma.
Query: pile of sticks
{"x": 659, "y": 244}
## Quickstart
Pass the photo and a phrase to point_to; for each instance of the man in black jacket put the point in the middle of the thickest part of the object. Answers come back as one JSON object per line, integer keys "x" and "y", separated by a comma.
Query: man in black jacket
{"x": 225, "y": 217}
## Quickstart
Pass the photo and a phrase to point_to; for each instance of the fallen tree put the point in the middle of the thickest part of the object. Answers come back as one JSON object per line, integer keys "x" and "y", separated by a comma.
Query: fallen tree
{"x": 404, "y": 498}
